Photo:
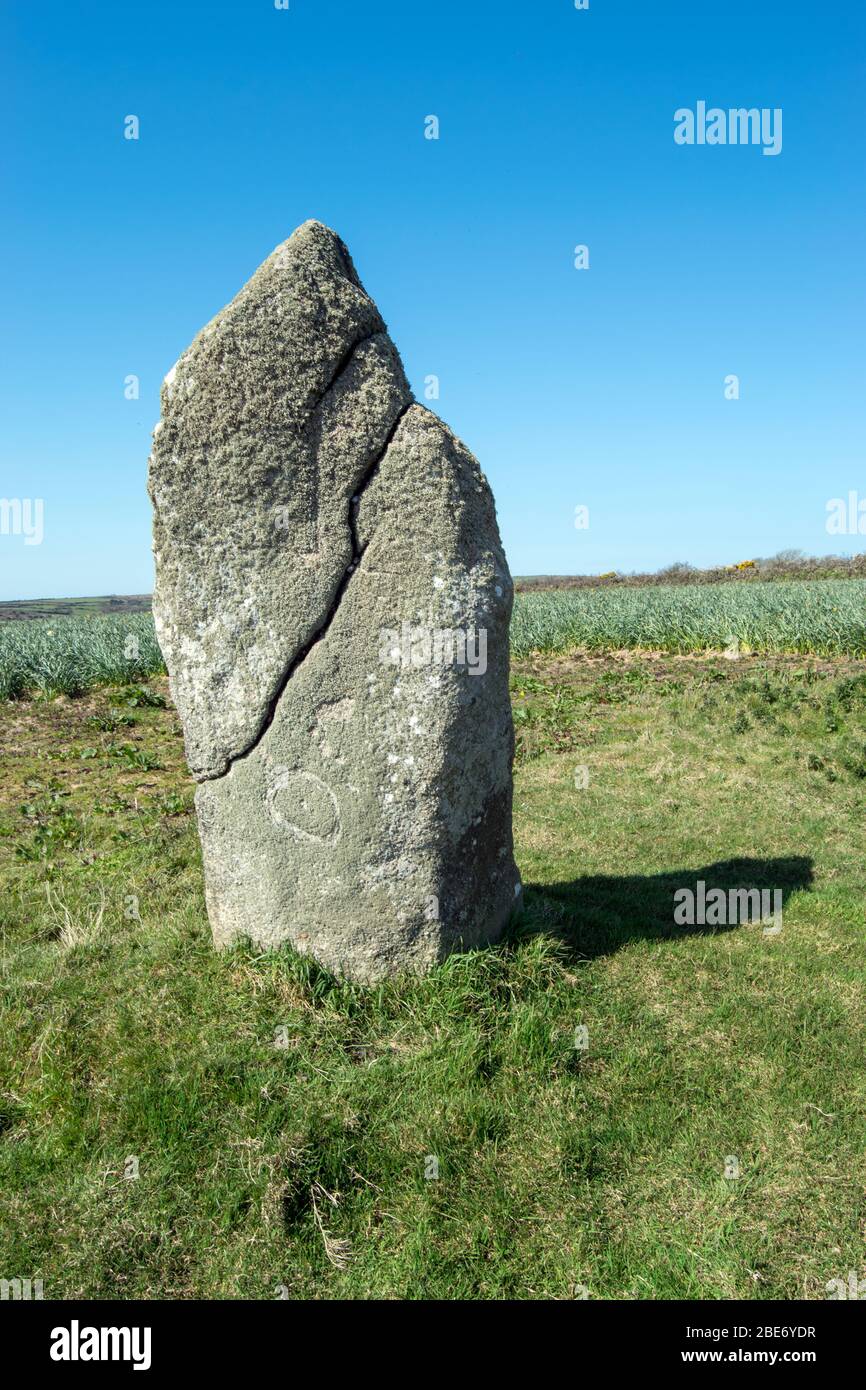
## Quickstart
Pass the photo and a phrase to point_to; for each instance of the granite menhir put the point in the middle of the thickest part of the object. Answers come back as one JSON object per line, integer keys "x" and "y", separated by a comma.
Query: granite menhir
{"x": 332, "y": 601}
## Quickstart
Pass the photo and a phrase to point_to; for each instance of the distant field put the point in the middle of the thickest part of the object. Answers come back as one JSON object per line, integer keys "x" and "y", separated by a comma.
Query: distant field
{"x": 67, "y": 655}
{"x": 788, "y": 565}
{"x": 23, "y": 609}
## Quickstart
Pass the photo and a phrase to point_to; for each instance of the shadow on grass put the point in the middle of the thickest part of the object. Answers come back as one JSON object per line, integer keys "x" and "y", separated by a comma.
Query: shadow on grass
{"x": 599, "y": 914}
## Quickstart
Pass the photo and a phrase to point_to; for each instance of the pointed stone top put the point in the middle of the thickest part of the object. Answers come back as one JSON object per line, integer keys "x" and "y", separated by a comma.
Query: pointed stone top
{"x": 269, "y": 355}
{"x": 312, "y": 244}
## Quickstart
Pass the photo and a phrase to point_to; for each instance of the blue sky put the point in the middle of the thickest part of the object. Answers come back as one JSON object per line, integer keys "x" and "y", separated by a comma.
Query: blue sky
{"x": 602, "y": 388}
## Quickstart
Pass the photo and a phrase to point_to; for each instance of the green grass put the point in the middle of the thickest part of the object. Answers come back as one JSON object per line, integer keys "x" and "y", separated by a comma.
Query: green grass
{"x": 282, "y": 1122}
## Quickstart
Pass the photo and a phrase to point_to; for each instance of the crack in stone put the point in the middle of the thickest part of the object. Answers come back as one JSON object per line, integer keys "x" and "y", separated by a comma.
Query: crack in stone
{"x": 322, "y": 629}
{"x": 342, "y": 366}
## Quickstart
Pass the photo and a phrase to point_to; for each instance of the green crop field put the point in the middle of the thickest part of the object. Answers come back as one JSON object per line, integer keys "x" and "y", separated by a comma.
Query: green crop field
{"x": 822, "y": 617}
{"x": 65, "y": 656}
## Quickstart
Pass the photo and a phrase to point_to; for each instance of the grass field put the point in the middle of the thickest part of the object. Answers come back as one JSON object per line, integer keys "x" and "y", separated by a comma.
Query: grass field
{"x": 283, "y": 1126}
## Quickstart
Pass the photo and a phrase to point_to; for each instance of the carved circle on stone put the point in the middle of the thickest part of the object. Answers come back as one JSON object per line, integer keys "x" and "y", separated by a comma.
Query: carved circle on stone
{"x": 304, "y": 806}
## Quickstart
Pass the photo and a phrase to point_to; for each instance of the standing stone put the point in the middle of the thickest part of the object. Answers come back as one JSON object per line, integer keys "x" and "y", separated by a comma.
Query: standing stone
{"x": 333, "y": 603}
